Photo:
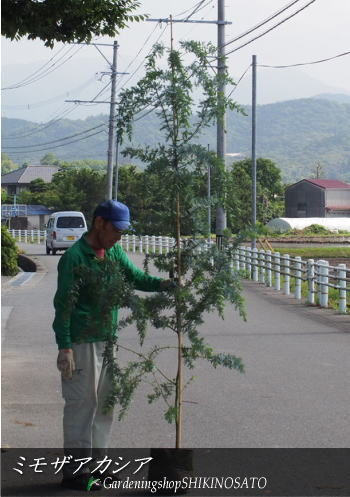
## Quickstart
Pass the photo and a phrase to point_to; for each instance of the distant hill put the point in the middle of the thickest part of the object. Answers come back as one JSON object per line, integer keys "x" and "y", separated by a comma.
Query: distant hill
{"x": 341, "y": 98}
{"x": 296, "y": 134}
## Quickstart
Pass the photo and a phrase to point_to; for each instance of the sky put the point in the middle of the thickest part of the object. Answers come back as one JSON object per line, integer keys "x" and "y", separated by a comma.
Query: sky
{"x": 319, "y": 31}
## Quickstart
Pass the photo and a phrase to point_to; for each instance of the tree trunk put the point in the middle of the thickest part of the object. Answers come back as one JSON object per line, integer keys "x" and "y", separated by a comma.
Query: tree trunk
{"x": 179, "y": 377}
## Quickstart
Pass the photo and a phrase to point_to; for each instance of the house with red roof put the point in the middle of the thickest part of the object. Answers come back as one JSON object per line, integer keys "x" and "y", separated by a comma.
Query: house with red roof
{"x": 318, "y": 198}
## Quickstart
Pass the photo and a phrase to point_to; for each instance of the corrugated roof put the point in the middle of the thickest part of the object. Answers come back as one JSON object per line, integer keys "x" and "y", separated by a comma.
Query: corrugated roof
{"x": 26, "y": 174}
{"x": 328, "y": 183}
{"x": 38, "y": 210}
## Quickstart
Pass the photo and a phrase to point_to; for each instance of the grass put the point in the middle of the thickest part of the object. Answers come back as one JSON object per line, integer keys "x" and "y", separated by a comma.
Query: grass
{"x": 316, "y": 252}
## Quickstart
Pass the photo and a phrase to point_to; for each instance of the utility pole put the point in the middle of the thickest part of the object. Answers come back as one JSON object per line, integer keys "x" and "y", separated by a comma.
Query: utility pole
{"x": 116, "y": 180}
{"x": 112, "y": 143}
{"x": 111, "y": 132}
{"x": 209, "y": 200}
{"x": 221, "y": 139}
{"x": 254, "y": 146}
{"x": 221, "y": 222}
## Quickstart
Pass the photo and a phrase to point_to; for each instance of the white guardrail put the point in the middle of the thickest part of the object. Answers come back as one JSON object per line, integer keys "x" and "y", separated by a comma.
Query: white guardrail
{"x": 272, "y": 269}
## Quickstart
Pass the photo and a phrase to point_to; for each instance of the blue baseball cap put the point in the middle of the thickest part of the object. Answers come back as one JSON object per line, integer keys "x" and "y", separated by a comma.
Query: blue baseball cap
{"x": 116, "y": 212}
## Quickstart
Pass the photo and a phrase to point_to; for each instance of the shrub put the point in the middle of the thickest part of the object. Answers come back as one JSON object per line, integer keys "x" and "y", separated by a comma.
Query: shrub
{"x": 9, "y": 253}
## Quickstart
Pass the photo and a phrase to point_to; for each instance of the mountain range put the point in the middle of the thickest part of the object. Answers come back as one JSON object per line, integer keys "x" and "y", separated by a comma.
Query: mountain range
{"x": 297, "y": 135}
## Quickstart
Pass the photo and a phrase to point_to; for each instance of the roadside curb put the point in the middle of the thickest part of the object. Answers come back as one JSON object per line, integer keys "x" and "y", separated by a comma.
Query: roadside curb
{"x": 327, "y": 316}
{"x": 37, "y": 266}
{"x": 33, "y": 266}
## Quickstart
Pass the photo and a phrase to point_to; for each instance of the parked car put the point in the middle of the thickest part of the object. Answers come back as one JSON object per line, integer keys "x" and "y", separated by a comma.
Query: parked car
{"x": 63, "y": 230}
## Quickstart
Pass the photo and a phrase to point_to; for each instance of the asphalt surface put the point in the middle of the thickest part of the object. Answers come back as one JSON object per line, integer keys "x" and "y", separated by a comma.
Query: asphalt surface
{"x": 294, "y": 393}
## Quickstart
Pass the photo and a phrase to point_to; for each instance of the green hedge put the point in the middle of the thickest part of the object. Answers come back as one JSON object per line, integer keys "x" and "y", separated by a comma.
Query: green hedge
{"x": 9, "y": 253}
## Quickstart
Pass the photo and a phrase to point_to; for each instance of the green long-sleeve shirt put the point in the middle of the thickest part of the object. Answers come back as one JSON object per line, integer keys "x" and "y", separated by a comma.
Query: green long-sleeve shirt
{"x": 70, "y": 328}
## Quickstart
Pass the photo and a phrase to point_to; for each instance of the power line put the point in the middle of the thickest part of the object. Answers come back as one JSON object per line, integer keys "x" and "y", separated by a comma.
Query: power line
{"x": 188, "y": 10}
{"x": 48, "y": 71}
{"x": 270, "y": 29}
{"x": 265, "y": 21}
{"x": 142, "y": 63}
{"x": 240, "y": 79}
{"x": 43, "y": 126}
{"x": 142, "y": 47}
{"x": 57, "y": 146}
{"x": 59, "y": 139}
{"x": 306, "y": 63}
{"x": 35, "y": 72}
{"x": 195, "y": 9}
{"x": 203, "y": 15}
{"x": 50, "y": 100}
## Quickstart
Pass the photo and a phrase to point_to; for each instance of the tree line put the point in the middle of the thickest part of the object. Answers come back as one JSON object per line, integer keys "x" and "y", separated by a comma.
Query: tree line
{"x": 80, "y": 185}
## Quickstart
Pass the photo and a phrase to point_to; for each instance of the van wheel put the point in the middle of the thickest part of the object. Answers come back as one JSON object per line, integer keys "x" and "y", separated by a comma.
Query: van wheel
{"x": 54, "y": 251}
{"x": 47, "y": 250}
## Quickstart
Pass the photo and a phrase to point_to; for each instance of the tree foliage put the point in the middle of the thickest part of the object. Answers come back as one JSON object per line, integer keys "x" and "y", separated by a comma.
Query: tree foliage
{"x": 7, "y": 164}
{"x": 269, "y": 197}
{"x": 204, "y": 283}
{"x": 68, "y": 21}
{"x": 9, "y": 253}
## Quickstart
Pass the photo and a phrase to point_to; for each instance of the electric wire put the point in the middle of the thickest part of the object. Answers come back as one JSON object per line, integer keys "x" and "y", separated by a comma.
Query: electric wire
{"x": 56, "y": 146}
{"x": 265, "y": 21}
{"x": 195, "y": 9}
{"x": 50, "y": 100}
{"x": 58, "y": 140}
{"x": 240, "y": 79}
{"x": 306, "y": 63}
{"x": 188, "y": 10}
{"x": 38, "y": 70}
{"x": 43, "y": 126}
{"x": 49, "y": 70}
{"x": 270, "y": 29}
{"x": 142, "y": 47}
{"x": 142, "y": 63}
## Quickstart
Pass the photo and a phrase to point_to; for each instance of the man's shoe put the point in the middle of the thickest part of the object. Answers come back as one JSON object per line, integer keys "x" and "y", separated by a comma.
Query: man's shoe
{"x": 84, "y": 482}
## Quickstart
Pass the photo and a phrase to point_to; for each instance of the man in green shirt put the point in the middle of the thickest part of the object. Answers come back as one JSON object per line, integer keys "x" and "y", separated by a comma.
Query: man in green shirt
{"x": 85, "y": 379}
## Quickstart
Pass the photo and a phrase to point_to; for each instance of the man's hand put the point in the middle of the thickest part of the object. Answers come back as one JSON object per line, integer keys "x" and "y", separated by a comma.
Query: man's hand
{"x": 65, "y": 363}
{"x": 167, "y": 284}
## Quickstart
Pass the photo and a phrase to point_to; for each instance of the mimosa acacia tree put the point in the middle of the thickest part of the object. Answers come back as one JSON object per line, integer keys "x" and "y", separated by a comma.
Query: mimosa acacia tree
{"x": 185, "y": 98}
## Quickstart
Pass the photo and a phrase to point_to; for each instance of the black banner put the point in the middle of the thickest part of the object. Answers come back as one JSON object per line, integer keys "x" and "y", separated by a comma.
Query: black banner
{"x": 197, "y": 472}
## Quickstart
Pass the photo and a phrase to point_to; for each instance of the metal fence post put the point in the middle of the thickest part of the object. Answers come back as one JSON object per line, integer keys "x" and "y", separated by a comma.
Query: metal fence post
{"x": 127, "y": 243}
{"x": 153, "y": 242}
{"x": 297, "y": 292}
{"x": 32, "y": 236}
{"x": 249, "y": 261}
{"x": 255, "y": 264}
{"x": 236, "y": 258}
{"x": 262, "y": 266}
{"x": 268, "y": 270}
{"x": 324, "y": 279}
{"x": 286, "y": 271}
{"x": 311, "y": 281}
{"x": 140, "y": 245}
{"x": 341, "y": 274}
{"x": 242, "y": 256}
{"x": 147, "y": 244}
{"x": 277, "y": 269}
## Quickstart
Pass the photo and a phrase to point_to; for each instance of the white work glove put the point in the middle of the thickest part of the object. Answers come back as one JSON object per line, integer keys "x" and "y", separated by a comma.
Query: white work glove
{"x": 65, "y": 363}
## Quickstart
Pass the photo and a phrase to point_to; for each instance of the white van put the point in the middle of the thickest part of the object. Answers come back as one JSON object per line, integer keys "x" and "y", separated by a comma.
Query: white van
{"x": 63, "y": 229}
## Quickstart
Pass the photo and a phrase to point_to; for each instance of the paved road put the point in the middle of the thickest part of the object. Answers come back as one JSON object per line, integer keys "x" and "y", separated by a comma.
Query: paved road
{"x": 295, "y": 392}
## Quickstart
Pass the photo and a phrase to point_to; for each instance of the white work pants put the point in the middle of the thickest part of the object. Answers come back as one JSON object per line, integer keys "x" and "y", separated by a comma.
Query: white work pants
{"x": 85, "y": 426}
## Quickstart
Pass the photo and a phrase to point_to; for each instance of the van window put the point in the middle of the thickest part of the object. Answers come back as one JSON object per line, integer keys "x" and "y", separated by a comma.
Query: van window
{"x": 70, "y": 222}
